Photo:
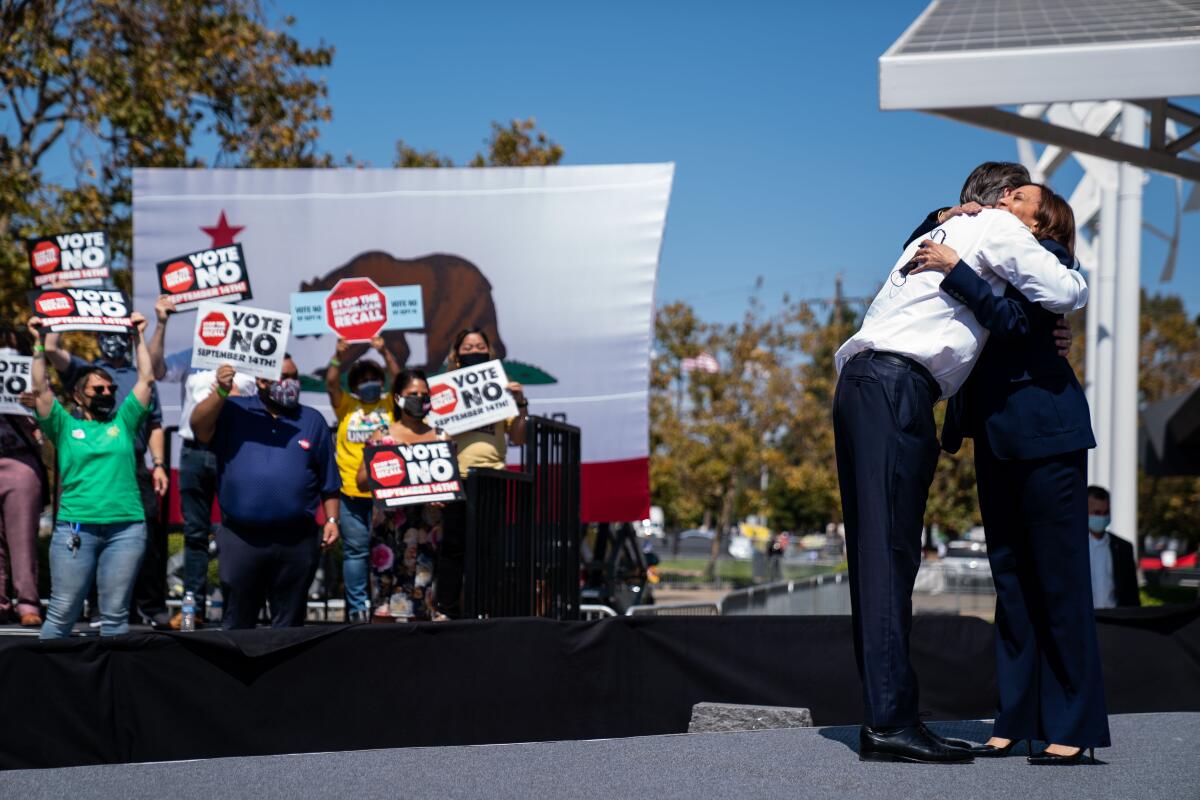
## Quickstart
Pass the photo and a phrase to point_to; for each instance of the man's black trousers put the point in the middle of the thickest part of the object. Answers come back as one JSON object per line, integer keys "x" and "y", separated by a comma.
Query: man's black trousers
{"x": 887, "y": 450}
{"x": 274, "y": 565}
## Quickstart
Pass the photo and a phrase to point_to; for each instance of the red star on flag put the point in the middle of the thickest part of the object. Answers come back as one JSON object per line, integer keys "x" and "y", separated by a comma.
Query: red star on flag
{"x": 222, "y": 233}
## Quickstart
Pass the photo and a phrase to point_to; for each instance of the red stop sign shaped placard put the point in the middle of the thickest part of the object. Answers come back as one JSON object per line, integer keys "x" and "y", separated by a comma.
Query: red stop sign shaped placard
{"x": 443, "y": 398}
{"x": 45, "y": 257}
{"x": 54, "y": 304}
{"x": 388, "y": 469}
{"x": 178, "y": 277}
{"x": 213, "y": 328}
{"x": 356, "y": 309}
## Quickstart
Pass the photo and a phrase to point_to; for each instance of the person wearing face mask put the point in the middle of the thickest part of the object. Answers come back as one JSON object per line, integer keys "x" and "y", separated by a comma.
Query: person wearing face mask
{"x": 404, "y": 540}
{"x": 101, "y": 529}
{"x": 1114, "y": 570}
{"x": 484, "y": 448}
{"x": 360, "y": 412}
{"x": 23, "y": 494}
{"x": 116, "y": 358}
{"x": 275, "y": 467}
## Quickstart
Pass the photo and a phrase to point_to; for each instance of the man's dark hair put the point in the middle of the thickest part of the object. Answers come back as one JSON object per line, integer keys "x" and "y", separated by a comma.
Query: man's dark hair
{"x": 987, "y": 183}
{"x": 1098, "y": 493}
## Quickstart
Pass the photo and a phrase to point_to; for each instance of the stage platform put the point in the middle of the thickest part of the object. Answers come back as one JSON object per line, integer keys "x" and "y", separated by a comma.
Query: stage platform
{"x": 1153, "y": 756}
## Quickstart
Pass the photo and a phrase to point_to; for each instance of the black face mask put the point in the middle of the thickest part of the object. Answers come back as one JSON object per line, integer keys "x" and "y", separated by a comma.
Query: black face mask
{"x": 473, "y": 359}
{"x": 102, "y": 405}
{"x": 417, "y": 405}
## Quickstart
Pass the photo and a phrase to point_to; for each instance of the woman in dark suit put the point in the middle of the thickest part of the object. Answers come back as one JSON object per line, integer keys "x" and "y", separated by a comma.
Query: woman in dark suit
{"x": 1029, "y": 418}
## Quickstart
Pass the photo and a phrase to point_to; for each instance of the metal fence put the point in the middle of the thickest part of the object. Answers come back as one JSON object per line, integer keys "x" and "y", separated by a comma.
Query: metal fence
{"x": 820, "y": 594}
{"x": 522, "y": 530}
{"x": 553, "y": 459}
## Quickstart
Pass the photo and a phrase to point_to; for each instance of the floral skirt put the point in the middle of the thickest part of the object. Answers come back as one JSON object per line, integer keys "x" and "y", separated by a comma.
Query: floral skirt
{"x": 404, "y": 545}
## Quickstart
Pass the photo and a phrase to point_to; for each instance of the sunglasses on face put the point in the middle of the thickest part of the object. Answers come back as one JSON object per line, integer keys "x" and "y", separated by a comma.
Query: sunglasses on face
{"x": 104, "y": 388}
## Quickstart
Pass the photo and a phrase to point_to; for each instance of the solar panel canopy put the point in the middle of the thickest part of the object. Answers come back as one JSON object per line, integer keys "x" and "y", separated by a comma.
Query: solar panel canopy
{"x": 965, "y": 53}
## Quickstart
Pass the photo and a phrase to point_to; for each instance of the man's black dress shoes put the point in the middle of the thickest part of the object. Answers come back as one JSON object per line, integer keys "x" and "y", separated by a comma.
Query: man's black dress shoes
{"x": 913, "y": 743}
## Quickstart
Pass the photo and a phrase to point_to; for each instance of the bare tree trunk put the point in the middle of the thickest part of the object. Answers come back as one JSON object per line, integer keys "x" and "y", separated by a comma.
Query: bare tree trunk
{"x": 724, "y": 520}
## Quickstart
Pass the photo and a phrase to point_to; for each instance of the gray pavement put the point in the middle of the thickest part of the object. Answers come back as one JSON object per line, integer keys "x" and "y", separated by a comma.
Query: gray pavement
{"x": 1154, "y": 756}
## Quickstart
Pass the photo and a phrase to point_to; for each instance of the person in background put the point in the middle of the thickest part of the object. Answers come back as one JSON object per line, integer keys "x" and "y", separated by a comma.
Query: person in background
{"x": 23, "y": 494}
{"x": 1114, "y": 574}
{"x": 484, "y": 448}
{"x": 197, "y": 467}
{"x": 275, "y": 466}
{"x": 360, "y": 413}
{"x": 404, "y": 539}
{"x": 101, "y": 528}
{"x": 116, "y": 359}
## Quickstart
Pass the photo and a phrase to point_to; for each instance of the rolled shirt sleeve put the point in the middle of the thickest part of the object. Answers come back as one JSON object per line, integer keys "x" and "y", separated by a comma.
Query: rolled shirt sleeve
{"x": 1010, "y": 251}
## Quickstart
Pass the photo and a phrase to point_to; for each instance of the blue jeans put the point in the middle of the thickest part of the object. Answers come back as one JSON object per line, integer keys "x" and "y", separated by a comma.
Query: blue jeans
{"x": 108, "y": 554}
{"x": 356, "y": 547}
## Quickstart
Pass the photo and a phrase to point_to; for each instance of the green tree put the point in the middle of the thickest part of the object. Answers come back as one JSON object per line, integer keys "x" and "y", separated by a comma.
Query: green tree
{"x": 114, "y": 84}
{"x": 1170, "y": 365}
{"x": 518, "y": 144}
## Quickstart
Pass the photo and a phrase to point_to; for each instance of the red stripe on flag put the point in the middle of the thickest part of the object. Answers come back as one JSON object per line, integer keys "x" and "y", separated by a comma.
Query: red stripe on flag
{"x": 616, "y": 491}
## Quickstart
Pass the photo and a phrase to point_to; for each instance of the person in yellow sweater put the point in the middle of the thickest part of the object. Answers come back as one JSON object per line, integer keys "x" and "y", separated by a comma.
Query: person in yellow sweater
{"x": 360, "y": 412}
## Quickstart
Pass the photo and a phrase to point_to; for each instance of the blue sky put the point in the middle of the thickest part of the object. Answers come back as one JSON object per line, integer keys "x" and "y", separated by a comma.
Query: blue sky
{"x": 785, "y": 167}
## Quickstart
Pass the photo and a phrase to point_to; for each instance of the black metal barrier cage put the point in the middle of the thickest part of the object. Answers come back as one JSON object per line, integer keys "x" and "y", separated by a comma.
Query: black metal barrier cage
{"x": 523, "y": 528}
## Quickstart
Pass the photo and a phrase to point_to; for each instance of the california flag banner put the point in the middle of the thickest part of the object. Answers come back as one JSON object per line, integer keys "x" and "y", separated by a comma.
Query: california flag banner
{"x": 557, "y": 265}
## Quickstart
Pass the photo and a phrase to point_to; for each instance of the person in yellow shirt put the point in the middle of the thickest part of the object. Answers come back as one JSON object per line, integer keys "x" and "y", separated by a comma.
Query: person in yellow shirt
{"x": 484, "y": 448}
{"x": 360, "y": 412}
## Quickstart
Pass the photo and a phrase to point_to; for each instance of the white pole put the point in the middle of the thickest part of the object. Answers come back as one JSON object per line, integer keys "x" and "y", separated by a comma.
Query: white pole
{"x": 1126, "y": 333}
{"x": 1104, "y": 306}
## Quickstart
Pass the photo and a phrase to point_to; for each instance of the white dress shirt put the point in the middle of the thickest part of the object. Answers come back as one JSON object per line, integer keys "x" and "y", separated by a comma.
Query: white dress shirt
{"x": 918, "y": 320}
{"x": 1104, "y": 588}
{"x": 198, "y": 386}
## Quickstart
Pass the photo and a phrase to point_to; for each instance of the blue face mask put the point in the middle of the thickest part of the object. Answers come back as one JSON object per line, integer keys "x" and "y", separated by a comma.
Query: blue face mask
{"x": 1098, "y": 523}
{"x": 370, "y": 391}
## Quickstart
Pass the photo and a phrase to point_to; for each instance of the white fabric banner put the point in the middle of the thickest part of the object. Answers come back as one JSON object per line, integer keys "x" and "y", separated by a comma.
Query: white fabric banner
{"x": 556, "y": 264}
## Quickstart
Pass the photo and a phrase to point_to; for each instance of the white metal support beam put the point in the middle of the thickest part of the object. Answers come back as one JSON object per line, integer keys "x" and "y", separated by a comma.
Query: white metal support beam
{"x": 1005, "y": 121}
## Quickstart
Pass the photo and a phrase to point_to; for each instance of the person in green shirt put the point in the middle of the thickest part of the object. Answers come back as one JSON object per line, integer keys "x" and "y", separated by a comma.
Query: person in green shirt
{"x": 100, "y": 533}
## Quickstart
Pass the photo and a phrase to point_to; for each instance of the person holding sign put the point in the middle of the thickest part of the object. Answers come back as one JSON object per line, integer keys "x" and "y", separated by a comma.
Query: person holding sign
{"x": 486, "y": 448}
{"x": 101, "y": 529}
{"x": 22, "y": 485}
{"x": 403, "y": 545}
{"x": 197, "y": 466}
{"x": 116, "y": 351}
{"x": 360, "y": 412}
{"x": 275, "y": 466}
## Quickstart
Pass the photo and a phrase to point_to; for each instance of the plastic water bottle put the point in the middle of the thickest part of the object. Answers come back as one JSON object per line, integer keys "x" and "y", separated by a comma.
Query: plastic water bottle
{"x": 188, "y": 622}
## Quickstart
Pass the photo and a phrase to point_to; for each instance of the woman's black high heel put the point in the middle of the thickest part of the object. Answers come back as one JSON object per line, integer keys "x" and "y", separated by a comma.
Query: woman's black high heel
{"x": 1045, "y": 759}
{"x": 992, "y": 751}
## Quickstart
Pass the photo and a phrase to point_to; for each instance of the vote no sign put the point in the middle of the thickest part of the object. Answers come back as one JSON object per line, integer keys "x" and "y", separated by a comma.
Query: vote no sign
{"x": 253, "y": 340}
{"x": 357, "y": 310}
{"x": 218, "y": 273}
{"x": 72, "y": 259}
{"x": 471, "y": 397}
{"x": 15, "y": 379}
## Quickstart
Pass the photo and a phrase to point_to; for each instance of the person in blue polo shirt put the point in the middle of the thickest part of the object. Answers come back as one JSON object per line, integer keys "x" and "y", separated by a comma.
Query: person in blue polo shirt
{"x": 275, "y": 464}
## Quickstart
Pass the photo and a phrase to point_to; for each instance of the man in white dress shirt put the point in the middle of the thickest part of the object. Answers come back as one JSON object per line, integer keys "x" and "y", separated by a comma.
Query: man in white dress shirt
{"x": 915, "y": 346}
{"x": 197, "y": 467}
